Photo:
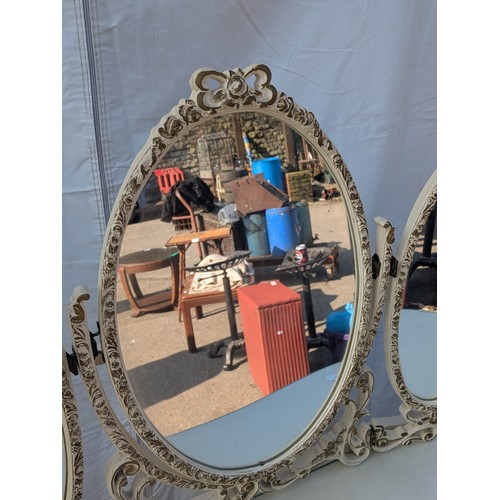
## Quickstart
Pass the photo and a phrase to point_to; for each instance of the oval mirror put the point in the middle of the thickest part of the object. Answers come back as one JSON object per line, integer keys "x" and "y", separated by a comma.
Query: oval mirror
{"x": 411, "y": 335}
{"x": 165, "y": 371}
{"x": 227, "y": 343}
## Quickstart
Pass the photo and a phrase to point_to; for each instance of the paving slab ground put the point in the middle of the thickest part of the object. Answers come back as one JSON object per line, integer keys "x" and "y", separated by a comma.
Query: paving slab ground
{"x": 179, "y": 389}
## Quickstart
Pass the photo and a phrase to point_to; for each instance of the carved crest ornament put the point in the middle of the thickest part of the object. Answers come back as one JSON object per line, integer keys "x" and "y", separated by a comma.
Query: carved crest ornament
{"x": 341, "y": 430}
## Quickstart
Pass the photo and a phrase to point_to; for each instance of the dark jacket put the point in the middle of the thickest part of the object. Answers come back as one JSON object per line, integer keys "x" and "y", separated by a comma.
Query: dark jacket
{"x": 194, "y": 191}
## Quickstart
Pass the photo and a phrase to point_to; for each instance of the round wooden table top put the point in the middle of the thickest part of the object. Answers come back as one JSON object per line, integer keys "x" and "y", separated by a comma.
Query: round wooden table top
{"x": 151, "y": 257}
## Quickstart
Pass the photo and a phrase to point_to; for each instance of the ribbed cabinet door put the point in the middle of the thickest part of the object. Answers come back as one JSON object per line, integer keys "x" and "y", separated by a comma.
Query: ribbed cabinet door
{"x": 284, "y": 344}
{"x": 274, "y": 341}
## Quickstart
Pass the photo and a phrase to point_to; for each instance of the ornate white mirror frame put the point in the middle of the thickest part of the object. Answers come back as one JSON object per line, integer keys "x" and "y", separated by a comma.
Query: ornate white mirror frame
{"x": 418, "y": 419}
{"x": 334, "y": 433}
{"x": 72, "y": 438}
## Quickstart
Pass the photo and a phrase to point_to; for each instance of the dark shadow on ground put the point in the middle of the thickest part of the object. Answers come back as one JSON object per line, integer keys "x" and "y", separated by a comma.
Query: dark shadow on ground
{"x": 168, "y": 377}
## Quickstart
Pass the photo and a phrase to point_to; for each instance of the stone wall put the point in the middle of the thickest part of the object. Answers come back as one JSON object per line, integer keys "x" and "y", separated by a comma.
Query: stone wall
{"x": 265, "y": 134}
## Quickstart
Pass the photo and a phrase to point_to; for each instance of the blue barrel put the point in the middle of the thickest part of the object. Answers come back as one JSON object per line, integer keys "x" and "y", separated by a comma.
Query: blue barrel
{"x": 271, "y": 168}
{"x": 256, "y": 234}
{"x": 283, "y": 229}
{"x": 304, "y": 220}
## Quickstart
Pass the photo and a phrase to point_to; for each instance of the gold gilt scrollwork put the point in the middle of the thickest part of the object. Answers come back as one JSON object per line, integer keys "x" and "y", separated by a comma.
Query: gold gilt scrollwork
{"x": 72, "y": 436}
{"x": 398, "y": 302}
{"x": 418, "y": 417}
{"x": 233, "y": 87}
{"x": 417, "y": 427}
{"x": 226, "y": 92}
{"x": 125, "y": 479}
{"x": 135, "y": 455}
{"x": 348, "y": 444}
{"x": 421, "y": 410}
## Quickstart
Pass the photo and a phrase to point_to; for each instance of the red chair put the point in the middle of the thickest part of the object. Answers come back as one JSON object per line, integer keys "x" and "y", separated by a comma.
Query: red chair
{"x": 167, "y": 177}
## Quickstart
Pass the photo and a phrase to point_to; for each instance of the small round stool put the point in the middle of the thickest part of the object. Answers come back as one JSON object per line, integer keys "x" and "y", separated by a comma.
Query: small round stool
{"x": 144, "y": 261}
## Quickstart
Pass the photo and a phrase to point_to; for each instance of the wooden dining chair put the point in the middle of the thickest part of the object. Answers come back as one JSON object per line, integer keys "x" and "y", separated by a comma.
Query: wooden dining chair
{"x": 191, "y": 222}
{"x": 190, "y": 298}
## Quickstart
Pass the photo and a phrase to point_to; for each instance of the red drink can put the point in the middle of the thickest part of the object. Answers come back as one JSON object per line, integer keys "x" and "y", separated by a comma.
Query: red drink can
{"x": 300, "y": 254}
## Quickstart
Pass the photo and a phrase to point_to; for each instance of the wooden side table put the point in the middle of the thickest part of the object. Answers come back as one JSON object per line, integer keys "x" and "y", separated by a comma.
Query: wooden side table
{"x": 144, "y": 261}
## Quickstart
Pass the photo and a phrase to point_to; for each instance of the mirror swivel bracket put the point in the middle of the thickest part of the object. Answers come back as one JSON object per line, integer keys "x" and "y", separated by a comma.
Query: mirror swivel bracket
{"x": 393, "y": 270}
{"x": 376, "y": 265}
{"x": 73, "y": 359}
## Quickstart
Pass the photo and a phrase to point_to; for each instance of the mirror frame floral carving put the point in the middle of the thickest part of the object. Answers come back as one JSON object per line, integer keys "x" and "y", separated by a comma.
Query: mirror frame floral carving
{"x": 333, "y": 433}
{"x": 72, "y": 438}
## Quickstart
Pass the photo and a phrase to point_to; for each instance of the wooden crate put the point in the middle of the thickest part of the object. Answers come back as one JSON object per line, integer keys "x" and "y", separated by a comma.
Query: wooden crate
{"x": 299, "y": 185}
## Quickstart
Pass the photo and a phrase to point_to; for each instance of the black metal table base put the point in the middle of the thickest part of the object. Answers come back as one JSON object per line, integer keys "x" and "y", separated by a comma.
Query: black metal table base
{"x": 236, "y": 342}
{"x": 291, "y": 266}
{"x": 317, "y": 341}
{"x": 422, "y": 262}
{"x": 230, "y": 347}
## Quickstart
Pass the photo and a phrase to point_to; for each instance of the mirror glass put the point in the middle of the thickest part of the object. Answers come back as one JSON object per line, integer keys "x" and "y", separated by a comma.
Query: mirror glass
{"x": 418, "y": 317}
{"x": 181, "y": 387}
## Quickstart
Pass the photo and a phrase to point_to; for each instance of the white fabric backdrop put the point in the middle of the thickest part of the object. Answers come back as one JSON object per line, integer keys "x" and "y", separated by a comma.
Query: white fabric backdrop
{"x": 367, "y": 69}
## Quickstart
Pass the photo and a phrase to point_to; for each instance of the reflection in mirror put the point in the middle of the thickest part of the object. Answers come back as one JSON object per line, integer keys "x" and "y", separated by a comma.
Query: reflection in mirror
{"x": 244, "y": 182}
{"x": 418, "y": 352}
{"x": 418, "y": 318}
{"x": 421, "y": 285}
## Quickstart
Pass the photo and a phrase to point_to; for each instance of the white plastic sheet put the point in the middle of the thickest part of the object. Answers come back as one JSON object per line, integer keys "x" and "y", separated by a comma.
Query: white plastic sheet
{"x": 367, "y": 69}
